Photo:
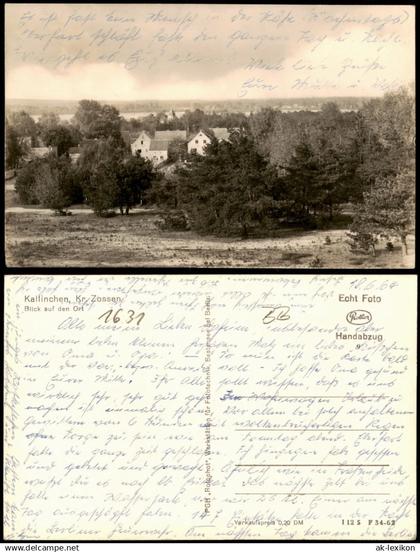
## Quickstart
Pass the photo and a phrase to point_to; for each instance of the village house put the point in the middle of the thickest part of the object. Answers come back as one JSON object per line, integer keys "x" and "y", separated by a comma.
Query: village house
{"x": 141, "y": 145}
{"x": 158, "y": 151}
{"x": 198, "y": 142}
{"x": 156, "y": 148}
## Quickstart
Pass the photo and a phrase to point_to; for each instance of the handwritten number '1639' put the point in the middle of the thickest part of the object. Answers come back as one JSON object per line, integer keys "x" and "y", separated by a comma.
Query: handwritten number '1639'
{"x": 121, "y": 316}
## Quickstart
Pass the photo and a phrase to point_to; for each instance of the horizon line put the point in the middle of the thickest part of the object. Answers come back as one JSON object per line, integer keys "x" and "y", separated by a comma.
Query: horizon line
{"x": 189, "y": 100}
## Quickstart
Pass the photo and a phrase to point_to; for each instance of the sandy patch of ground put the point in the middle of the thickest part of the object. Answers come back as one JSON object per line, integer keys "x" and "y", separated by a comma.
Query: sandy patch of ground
{"x": 37, "y": 238}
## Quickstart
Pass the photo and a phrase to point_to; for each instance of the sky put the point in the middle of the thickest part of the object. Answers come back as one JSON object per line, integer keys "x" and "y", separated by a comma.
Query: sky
{"x": 209, "y": 52}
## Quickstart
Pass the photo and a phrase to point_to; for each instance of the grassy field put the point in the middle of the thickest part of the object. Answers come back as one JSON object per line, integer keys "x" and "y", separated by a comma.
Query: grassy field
{"x": 36, "y": 238}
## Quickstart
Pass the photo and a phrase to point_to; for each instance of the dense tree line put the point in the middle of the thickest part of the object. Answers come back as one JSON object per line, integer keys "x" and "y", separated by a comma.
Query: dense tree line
{"x": 92, "y": 121}
{"x": 387, "y": 171}
{"x": 301, "y": 168}
{"x": 191, "y": 121}
{"x": 105, "y": 176}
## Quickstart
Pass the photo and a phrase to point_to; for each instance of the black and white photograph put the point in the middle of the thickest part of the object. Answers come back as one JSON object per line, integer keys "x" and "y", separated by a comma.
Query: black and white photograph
{"x": 210, "y": 135}
{"x": 210, "y": 279}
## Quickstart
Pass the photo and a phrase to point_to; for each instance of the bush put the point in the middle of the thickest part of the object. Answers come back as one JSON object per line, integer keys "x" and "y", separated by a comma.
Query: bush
{"x": 388, "y": 209}
{"x": 362, "y": 242}
{"x": 310, "y": 224}
{"x": 175, "y": 221}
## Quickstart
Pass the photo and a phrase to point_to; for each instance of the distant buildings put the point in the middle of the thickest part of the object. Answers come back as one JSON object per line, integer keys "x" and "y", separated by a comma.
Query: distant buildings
{"x": 164, "y": 117}
{"x": 155, "y": 148}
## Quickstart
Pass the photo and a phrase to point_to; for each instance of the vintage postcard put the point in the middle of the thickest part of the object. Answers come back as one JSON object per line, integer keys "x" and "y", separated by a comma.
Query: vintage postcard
{"x": 195, "y": 407}
{"x": 210, "y": 135}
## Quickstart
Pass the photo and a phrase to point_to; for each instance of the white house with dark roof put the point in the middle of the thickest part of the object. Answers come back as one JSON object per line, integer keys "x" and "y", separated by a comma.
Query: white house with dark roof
{"x": 156, "y": 148}
{"x": 142, "y": 144}
{"x": 198, "y": 142}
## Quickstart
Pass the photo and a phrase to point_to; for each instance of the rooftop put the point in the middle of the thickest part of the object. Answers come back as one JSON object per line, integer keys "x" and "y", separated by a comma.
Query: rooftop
{"x": 220, "y": 133}
{"x": 170, "y": 134}
{"x": 159, "y": 145}
{"x": 129, "y": 137}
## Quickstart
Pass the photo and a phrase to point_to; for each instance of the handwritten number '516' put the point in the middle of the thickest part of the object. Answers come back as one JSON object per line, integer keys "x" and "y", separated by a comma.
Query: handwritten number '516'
{"x": 118, "y": 317}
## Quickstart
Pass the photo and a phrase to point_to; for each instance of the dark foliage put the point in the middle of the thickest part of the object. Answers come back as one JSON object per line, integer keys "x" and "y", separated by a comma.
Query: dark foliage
{"x": 51, "y": 182}
{"x": 229, "y": 190}
{"x": 111, "y": 177}
{"x": 25, "y": 182}
{"x": 15, "y": 148}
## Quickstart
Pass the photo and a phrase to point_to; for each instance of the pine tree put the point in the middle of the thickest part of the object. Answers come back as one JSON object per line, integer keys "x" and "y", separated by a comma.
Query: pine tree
{"x": 229, "y": 190}
{"x": 303, "y": 184}
{"x": 388, "y": 209}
